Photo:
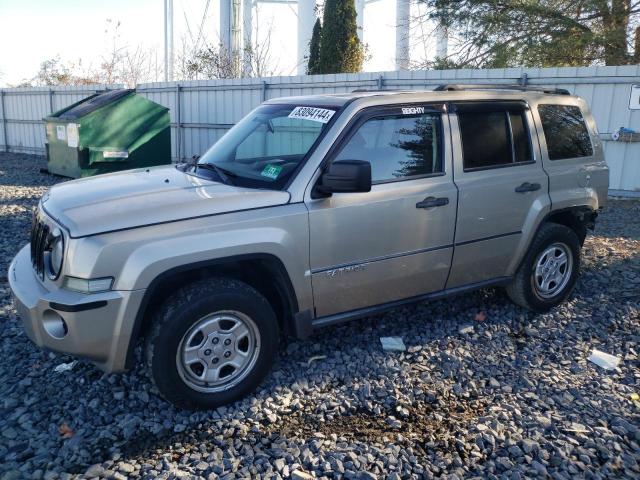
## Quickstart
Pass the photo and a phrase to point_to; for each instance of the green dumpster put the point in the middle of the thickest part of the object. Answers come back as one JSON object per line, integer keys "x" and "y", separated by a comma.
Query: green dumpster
{"x": 106, "y": 132}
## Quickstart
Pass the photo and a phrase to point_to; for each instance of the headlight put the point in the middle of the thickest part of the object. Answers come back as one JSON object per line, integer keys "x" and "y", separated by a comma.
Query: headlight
{"x": 55, "y": 254}
{"x": 83, "y": 285}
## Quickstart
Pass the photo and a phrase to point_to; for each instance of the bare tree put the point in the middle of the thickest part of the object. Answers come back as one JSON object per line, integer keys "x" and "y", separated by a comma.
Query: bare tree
{"x": 128, "y": 65}
{"x": 424, "y": 28}
{"x": 207, "y": 62}
{"x": 123, "y": 63}
{"x": 120, "y": 64}
{"x": 111, "y": 61}
{"x": 214, "y": 61}
{"x": 54, "y": 71}
{"x": 258, "y": 55}
{"x": 136, "y": 66}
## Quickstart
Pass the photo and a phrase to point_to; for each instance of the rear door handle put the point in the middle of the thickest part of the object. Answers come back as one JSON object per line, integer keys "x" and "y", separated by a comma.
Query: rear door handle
{"x": 528, "y": 187}
{"x": 430, "y": 202}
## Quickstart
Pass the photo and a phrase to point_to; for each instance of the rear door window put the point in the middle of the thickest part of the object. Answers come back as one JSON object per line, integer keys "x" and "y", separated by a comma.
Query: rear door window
{"x": 565, "y": 132}
{"x": 494, "y": 138}
{"x": 520, "y": 138}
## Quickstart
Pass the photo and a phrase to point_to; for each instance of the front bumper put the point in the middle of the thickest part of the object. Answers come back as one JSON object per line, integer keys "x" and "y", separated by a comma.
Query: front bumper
{"x": 98, "y": 326}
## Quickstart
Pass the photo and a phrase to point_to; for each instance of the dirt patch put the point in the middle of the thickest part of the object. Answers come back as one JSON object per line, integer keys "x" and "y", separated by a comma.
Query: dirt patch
{"x": 424, "y": 424}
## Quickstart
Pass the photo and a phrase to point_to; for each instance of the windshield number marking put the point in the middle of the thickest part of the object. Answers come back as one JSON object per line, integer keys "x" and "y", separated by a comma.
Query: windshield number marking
{"x": 322, "y": 115}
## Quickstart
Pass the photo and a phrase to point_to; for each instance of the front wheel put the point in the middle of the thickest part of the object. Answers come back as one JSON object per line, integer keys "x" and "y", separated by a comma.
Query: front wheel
{"x": 549, "y": 270}
{"x": 211, "y": 343}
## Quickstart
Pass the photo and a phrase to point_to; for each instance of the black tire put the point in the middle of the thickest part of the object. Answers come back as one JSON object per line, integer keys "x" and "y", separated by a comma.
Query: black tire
{"x": 184, "y": 309}
{"x": 523, "y": 291}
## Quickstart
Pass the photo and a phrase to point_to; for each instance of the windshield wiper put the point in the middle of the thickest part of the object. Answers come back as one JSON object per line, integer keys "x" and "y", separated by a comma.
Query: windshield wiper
{"x": 225, "y": 175}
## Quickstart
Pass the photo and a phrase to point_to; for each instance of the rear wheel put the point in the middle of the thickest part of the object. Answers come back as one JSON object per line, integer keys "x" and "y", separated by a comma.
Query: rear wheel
{"x": 211, "y": 343}
{"x": 549, "y": 270}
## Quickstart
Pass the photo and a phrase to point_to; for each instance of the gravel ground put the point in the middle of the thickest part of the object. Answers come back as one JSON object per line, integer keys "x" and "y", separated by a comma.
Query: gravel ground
{"x": 514, "y": 398}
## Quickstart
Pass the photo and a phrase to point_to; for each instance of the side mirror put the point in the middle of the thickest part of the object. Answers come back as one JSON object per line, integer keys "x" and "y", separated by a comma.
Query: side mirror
{"x": 346, "y": 176}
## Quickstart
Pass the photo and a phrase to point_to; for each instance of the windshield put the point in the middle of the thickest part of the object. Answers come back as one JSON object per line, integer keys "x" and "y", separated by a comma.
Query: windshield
{"x": 265, "y": 148}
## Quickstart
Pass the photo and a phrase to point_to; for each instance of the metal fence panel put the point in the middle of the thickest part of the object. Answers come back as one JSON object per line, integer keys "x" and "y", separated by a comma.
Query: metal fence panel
{"x": 202, "y": 111}
{"x": 22, "y": 111}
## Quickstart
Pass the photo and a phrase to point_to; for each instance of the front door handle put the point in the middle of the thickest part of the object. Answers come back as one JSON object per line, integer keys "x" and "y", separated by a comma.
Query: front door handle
{"x": 433, "y": 202}
{"x": 528, "y": 187}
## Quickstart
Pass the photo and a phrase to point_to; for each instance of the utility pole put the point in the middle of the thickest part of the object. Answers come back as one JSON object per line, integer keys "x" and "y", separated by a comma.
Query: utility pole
{"x": 230, "y": 32}
{"x": 225, "y": 26}
{"x": 306, "y": 20}
{"x": 168, "y": 40}
{"x": 403, "y": 14}
{"x": 442, "y": 41}
{"x": 236, "y": 35}
{"x": 247, "y": 34}
{"x": 360, "y": 19}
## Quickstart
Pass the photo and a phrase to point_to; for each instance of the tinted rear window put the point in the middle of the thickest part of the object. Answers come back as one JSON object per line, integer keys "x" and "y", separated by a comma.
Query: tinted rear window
{"x": 565, "y": 132}
{"x": 521, "y": 145}
{"x": 494, "y": 138}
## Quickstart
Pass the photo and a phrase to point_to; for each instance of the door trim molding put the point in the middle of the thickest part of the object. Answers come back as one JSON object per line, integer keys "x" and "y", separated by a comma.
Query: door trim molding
{"x": 405, "y": 254}
{"x": 467, "y": 242}
{"x": 378, "y": 259}
{"x": 376, "y": 309}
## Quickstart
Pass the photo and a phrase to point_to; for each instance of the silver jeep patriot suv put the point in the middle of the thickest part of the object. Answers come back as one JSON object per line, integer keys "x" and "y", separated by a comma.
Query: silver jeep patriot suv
{"x": 309, "y": 212}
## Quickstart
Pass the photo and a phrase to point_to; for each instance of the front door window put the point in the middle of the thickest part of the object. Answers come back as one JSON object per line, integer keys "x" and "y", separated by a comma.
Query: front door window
{"x": 397, "y": 146}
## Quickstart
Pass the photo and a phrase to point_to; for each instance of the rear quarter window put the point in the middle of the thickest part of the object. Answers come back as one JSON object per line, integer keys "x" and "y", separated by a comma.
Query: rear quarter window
{"x": 565, "y": 132}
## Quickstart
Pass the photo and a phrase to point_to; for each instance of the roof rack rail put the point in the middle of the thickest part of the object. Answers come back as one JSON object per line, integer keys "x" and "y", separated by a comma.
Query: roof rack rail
{"x": 379, "y": 90}
{"x": 449, "y": 87}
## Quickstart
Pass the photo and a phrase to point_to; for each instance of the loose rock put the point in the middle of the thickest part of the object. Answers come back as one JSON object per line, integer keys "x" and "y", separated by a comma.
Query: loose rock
{"x": 510, "y": 396}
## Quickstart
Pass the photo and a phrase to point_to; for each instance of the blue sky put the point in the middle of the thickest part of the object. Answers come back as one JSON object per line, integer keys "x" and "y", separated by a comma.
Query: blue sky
{"x": 35, "y": 30}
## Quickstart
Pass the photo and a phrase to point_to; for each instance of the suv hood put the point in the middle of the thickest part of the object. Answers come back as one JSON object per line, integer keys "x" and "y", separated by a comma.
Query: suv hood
{"x": 141, "y": 197}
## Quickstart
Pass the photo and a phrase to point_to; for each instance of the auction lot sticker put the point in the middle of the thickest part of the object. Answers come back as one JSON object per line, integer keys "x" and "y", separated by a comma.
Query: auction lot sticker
{"x": 61, "y": 132}
{"x": 322, "y": 115}
{"x": 73, "y": 137}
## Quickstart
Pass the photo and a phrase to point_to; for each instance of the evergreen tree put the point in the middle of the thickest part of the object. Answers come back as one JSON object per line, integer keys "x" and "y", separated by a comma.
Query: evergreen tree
{"x": 540, "y": 33}
{"x": 340, "y": 48}
{"x": 314, "y": 49}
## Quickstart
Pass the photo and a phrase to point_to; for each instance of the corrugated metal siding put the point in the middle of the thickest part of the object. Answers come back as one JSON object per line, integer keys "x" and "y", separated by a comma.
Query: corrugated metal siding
{"x": 24, "y": 108}
{"x": 201, "y": 111}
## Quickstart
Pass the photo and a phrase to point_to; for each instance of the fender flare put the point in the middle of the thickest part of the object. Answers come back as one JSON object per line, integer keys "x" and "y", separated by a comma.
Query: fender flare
{"x": 584, "y": 214}
{"x": 282, "y": 282}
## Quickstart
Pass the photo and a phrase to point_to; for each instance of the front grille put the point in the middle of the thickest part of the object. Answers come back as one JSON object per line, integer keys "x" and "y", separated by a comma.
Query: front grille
{"x": 39, "y": 241}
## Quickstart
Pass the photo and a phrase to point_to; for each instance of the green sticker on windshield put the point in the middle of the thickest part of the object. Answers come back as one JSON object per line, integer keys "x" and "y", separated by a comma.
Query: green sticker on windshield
{"x": 271, "y": 171}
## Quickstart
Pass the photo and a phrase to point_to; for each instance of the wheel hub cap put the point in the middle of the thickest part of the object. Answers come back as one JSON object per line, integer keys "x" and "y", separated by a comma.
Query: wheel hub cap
{"x": 218, "y": 351}
{"x": 553, "y": 269}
